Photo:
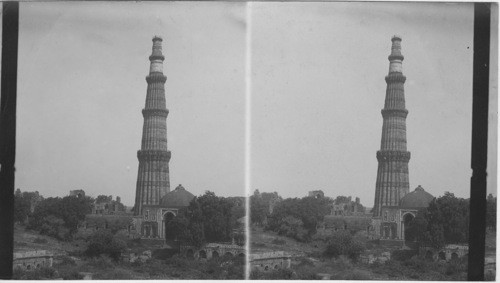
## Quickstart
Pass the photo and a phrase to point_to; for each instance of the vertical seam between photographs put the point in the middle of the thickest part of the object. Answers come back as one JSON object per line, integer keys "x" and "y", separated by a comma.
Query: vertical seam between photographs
{"x": 248, "y": 90}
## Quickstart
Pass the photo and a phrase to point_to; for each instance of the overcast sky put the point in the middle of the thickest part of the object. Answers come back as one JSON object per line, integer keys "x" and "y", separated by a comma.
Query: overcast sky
{"x": 317, "y": 81}
{"x": 82, "y": 69}
{"x": 318, "y": 87}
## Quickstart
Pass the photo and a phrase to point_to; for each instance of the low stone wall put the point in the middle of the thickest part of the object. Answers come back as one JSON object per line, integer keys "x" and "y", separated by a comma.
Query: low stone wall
{"x": 212, "y": 250}
{"x": 446, "y": 253}
{"x": 268, "y": 261}
{"x": 33, "y": 259}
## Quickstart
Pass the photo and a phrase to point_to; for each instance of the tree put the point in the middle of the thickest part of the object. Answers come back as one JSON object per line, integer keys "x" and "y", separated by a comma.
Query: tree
{"x": 258, "y": 209}
{"x": 104, "y": 242}
{"x": 21, "y": 207}
{"x": 445, "y": 221}
{"x": 293, "y": 227}
{"x": 71, "y": 210}
{"x": 24, "y": 202}
{"x": 103, "y": 199}
{"x": 343, "y": 243}
{"x": 309, "y": 210}
{"x": 208, "y": 218}
{"x": 177, "y": 228}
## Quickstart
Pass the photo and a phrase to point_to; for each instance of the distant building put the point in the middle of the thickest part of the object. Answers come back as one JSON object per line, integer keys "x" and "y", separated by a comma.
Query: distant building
{"x": 347, "y": 207}
{"x": 316, "y": 194}
{"x": 395, "y": 207}
{"x": 151, "y": 224}
{"x": 77, "y": 193}
{"x": 108, "y": 206}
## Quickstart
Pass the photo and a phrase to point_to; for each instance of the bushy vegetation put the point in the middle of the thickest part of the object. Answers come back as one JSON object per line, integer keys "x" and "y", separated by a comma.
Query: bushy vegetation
{"x": 343, "y": 243}
{"x": 60, "y": 217}
{"x": 208, "y": 218}
{"x": 418, "y": 268}
{"x": 298, "y": 218}
{"x": 104, "y": 242}
{"x": 445, "y": 221}
{"x": 260, "y": 204}
{"x": 36, "y": 274}
{"x": 23, "y": 202}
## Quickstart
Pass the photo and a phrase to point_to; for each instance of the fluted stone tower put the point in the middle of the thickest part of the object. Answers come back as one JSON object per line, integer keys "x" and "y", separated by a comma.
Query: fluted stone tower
{"x": 392, "y": 175}
{"x": 153, "y": 180}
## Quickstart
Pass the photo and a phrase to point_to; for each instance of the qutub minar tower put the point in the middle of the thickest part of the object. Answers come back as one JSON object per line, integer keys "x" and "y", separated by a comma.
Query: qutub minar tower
{"x": 392, "y": 175}
{"x": 153, "y": 180}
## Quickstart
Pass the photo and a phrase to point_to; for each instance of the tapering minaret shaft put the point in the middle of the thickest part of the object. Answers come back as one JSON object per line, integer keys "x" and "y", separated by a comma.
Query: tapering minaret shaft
{"x": 153, "y": 180}
{"x": 392, "y": 175}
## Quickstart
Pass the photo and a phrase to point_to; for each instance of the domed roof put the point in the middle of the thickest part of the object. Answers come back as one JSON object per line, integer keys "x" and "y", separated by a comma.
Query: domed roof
{"x": 417, "y": 199}
{"x": 177, "y": 198}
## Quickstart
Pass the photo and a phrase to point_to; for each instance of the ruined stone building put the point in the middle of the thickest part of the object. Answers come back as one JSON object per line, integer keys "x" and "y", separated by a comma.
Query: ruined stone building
{"x": 108, "y": 206}
{"x": 77, "y": 193}
{"x": 394, "y": 206}
{"x": 316, "y": 194}
{"x": 154, "y": 202}
{"x": 348, "y": 207}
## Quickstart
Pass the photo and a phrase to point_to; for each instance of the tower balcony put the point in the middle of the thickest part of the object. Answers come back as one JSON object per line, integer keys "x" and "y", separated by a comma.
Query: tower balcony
{"x": 154, "y": 155}
{"x": 393, "y": 155}
{"x": 395, "y": 77}
{"x": 403, "y": 113}
{"x": 154, "y": 112}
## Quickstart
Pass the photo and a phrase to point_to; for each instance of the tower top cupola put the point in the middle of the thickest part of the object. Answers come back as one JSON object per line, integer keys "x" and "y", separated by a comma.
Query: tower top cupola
{"x": 156, "y": 54}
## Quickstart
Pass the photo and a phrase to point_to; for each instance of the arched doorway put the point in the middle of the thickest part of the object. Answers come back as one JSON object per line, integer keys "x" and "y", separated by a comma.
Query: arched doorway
{"x": 454, "y": 256}
{"x": 169, "y": 232}
{"x": 442, "y": 255}
{"x": 203, "y": 254}
{"x": 408, "y": 230}
{"x": 190, "y": 254}
{"x": 215, "y": 254}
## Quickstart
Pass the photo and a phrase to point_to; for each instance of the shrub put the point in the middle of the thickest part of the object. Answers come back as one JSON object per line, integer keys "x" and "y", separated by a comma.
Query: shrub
{"x": 164, "y": 253}
{"x": 403, "y": 255}
{"x": 343, "y": 243}
{"x": 102, "y": 261}
{"x": 102, "y": 242}
{"x": 37, "y": 274}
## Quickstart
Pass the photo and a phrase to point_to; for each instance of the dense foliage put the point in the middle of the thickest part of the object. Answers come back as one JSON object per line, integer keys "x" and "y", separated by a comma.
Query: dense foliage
{"x": 208, "y": 218}
{"x": 298, "y": 218}
{"x": 343, "y": 243}
{"x": 60, "y": 217}
{"x": 104, "y": 242}
{"x": 23, "y": 203}
{"x": 261, "y": 206}
{"x": 445, "y": 221}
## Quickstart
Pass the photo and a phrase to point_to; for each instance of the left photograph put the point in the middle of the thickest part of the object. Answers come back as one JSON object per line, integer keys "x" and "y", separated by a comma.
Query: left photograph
{"x": 130, "y": 140}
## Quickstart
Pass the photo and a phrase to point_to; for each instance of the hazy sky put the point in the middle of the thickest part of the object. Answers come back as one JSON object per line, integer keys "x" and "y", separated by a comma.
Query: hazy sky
{"x": 82, "y": 69}
{"x": 318, "y": 87}
{"x": 317, "y": 81}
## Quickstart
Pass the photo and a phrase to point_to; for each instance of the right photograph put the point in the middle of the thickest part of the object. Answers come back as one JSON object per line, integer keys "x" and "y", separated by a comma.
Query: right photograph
{"x": 361, "y": 118}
